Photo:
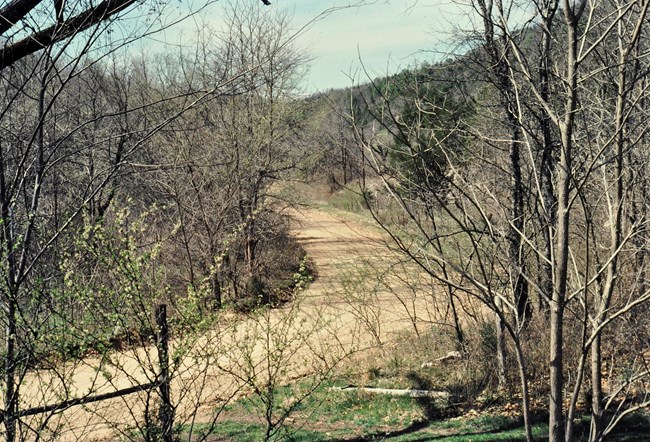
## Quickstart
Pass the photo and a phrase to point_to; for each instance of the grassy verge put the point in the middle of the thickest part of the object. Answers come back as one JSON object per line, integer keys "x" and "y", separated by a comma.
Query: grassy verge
{"x": 483, "y": 429}
{"x": 331, "y": 415}
{"x": 350, "y": 416}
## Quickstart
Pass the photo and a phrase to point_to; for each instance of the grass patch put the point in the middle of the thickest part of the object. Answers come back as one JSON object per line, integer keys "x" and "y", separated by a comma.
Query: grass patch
{"x": 356, "y": 416}
{"x": 366, "y": 411}
{"x": 487, "y": 428}
{"x": 329, "y": 415}
{"x": 350, "y": 200}
{"x": 245, "y": 432}
{"x": 326, "y": 414}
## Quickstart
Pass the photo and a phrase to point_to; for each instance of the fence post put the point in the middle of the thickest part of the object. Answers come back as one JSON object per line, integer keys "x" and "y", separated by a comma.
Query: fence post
{"x": 166, "y": 412}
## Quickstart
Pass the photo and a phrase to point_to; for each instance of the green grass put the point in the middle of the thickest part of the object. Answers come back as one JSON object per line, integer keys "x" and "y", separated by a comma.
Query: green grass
{"x": 333, "y": 416}
{"x": 349, "y": 199}
{"x": 329, "y": 415}
{"x": 332, "y": 408}
{"x": 472, "y": 429}
{"x": 482, "y": 429}
{"x": 366, "y": 411}
{"x": 238, "y": 431}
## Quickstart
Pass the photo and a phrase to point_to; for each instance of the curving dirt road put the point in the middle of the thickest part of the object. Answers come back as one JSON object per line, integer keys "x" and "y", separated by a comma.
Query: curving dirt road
{"x": 361, "y": 296}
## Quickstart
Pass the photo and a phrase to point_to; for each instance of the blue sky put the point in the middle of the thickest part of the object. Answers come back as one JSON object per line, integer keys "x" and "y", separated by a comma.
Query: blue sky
{"x": 384, "y": 35}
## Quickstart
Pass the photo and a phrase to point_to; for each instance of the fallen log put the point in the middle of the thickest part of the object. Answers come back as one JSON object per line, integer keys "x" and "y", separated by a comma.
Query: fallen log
{"x": 441, "y": 396}
{"x": 451, "y": 356}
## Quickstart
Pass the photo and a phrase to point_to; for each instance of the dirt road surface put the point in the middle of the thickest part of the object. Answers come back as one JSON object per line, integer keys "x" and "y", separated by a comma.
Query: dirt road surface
{"x": 359, "y": 299}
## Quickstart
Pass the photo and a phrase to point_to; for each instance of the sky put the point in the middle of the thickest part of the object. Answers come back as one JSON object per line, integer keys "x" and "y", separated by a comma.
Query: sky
{"x": 353, "y": 43}
{"x": 380, "y": 38}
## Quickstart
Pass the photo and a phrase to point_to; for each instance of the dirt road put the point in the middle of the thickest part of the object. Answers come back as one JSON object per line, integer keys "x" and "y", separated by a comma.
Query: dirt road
{"x": 359, "y": 299}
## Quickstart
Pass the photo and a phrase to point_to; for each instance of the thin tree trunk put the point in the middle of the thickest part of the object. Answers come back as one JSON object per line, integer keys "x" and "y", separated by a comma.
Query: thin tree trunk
{"x": 460, "y": 336}
{"x": 525, "y": 400}
{"x": 556, "y": 403}
{"x": 574, "y": 398}
{"x": 603, "y": 304}
{"x": 556, "y": 412}
{"x": 518, "y": 268}
{"x": 501, "y": 352}
{"x": 166, "y": 411}
{"x": 547, "y": 167}
{"x": 216, "y": 289}
{"x": 596, "y": 431}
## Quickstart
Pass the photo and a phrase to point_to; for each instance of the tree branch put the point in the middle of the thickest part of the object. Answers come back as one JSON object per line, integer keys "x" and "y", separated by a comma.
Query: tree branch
{"x": 14, "y": 11}
{"x": 55, "y": 33}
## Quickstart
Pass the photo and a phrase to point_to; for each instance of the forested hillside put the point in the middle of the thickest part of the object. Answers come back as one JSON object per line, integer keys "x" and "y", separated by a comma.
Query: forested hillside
{"x": 478, "y": 228}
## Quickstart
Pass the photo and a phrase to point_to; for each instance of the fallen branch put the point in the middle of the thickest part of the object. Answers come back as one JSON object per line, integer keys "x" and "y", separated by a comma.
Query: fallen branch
{"x": 440, "y": 395}
{"x": 451, "y": 356}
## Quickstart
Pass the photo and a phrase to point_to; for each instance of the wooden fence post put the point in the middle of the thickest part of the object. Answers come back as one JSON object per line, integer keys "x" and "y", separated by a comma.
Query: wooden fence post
{"x": 166, "y": 412}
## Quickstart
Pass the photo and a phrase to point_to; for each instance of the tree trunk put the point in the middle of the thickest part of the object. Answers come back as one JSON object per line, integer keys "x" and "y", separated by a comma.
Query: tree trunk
{"x": 216, "y": 289}
{"x": 547, "y": 167}
{"x": 518, "y": 268}
{"x": 603, "y": 304}
{"x": 166, "y": 411}
{"x": 556, "y": 410}
{"x": 556, "y": 403}
{"x": 501, "y": 352}
{"x": 525, "y": 399}
{"x": 596, "y": 431}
